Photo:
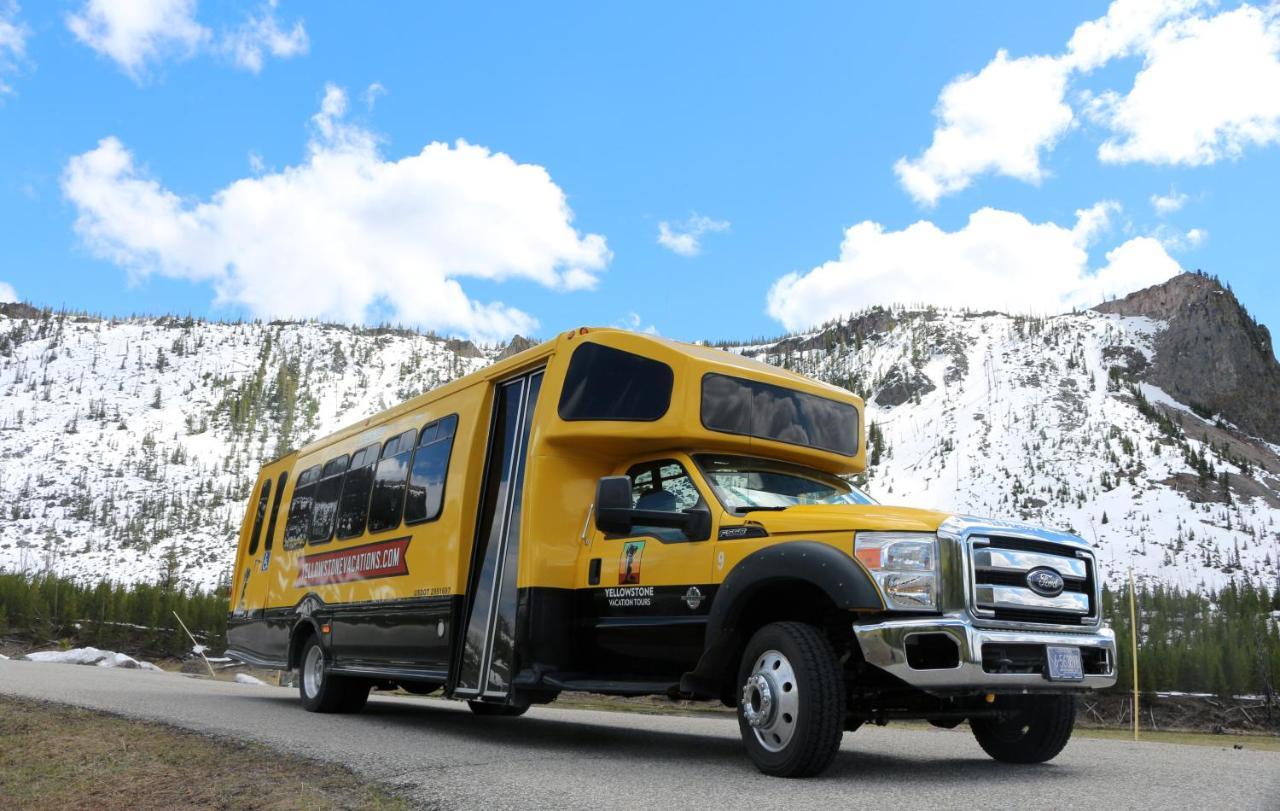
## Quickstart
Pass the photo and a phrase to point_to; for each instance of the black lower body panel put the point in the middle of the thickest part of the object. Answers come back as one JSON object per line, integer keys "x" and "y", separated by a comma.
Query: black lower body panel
{"x": 398, "y": 638}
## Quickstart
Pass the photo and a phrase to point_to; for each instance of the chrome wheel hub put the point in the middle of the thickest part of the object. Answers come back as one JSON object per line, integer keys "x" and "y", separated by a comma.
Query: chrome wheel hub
{"x": 757, "y": 700}
{"x": 771, "y": 700}
{"x": 313, "y": 672}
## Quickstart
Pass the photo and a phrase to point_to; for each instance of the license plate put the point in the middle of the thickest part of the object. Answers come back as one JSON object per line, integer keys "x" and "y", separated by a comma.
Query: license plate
{"x": 1064, "y": 664}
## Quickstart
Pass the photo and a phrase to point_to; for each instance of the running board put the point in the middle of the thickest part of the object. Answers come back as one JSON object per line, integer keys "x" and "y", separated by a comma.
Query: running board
{"x": 586, "y": 684}
{"x": 391, "y": 672}
{"x": 256, "y": 661}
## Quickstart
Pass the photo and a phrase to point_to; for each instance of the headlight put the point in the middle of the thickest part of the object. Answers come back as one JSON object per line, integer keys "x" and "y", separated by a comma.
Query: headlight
{"x": 905, "y": 566}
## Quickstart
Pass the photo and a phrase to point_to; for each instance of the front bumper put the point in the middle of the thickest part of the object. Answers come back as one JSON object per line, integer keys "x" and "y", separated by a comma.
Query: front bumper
{"x": 884, "y": 645}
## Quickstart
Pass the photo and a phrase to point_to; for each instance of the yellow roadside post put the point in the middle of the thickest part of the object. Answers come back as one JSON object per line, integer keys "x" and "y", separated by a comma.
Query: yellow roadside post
{"x": 196, "y": 646}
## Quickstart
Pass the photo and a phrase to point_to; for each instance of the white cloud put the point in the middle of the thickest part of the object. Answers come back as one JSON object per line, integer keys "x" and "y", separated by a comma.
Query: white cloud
{"x": 1094, "y": 220}
{"x": 1126, "y": 29}
{"x": 999, "y": 120}
{"x": 261, "y": 34}
{"x": 635, "y": 323}
{"x": 7, "y": 293}
{"x": 1208, "y": 89}
{"x": 998, "y": 260}
{"x": 134, "y": 34}
{"x": 372, "y": 93}
{"x": 346, "y": 235}
{"x": 137, "y": 34}
{"x": 685, "y": 238}
{"x": 13, "y": 43}
{"x": 1175, "y": 239}
{"x": 1168, "y": 203}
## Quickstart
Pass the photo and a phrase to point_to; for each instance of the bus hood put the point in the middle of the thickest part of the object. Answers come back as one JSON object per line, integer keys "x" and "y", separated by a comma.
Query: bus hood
{"x": 814, "y": 518}
{"x": 809, "y": 519}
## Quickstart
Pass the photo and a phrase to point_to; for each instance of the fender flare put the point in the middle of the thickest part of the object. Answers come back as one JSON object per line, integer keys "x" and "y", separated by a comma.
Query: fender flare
{"x": 844, "y": 580}
{"x": 305, "y": 625}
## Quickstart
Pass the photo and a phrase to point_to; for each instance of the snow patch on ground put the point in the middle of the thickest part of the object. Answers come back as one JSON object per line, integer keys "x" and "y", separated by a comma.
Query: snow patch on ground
{"x": 91, "y": 656}
{"x": 245, "y": 678}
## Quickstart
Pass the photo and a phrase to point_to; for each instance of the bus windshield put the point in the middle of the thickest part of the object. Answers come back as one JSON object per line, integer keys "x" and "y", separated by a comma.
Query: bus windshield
{"x": 745, "y": 483}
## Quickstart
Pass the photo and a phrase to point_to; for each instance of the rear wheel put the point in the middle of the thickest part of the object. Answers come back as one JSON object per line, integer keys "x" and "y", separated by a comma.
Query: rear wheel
{"x": 1035, "y": 729}
{"x": 324, "y": 692}
{"x": 792, "y": 703}
{"x": 485, "y": 709}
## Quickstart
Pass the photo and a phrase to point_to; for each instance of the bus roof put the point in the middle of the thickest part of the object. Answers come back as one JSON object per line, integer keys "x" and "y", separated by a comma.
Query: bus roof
{"x": 689, "y": 361}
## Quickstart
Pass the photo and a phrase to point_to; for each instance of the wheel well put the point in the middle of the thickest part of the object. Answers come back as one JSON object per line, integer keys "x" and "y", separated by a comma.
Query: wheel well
{"x": 783, "y": 601}
{"x": 297, "y": 640}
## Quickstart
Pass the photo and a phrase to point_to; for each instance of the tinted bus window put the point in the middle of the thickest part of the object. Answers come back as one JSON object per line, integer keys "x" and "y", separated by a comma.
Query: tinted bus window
{"x": 353, "y": 508}
{"x": 736, "y": 406}
{"x": 275, "y": 510}
{"x": 326, "y": 499}
{"x": 389, "y": 481}
{"x": 295, "y": 532}
{"x": 429, "y": 470}
{"x": 257, "y": 518}
{"x": 608, "y": 384}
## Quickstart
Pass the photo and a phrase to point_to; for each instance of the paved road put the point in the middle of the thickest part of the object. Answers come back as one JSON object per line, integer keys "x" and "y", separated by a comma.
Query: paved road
{"x": 439, "y": 755}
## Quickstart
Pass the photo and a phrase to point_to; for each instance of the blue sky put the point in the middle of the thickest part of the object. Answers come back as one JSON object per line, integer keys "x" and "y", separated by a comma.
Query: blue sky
{"x": 232, "y": 159}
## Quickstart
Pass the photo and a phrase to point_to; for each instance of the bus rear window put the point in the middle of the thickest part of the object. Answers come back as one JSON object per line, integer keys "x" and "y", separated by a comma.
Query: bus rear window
{"x": 608, "y": 384}
{"x": 733, "y": 405}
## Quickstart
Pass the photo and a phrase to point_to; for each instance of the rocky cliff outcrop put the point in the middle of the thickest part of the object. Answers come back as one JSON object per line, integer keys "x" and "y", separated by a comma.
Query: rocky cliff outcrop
{"x": 1211, "y": 354}
{"x": 518, "y": 344}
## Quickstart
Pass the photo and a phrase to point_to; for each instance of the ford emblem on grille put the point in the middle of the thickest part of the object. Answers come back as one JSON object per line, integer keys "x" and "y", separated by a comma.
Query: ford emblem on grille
{"x": 1045, "y": 582}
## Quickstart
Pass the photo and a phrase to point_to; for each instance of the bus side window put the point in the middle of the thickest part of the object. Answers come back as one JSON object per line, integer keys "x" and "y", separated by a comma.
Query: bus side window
{"x": 275, "y": 510}
{"x": 665, "y": 486}
{"x": 295, "y": 532}
{"x": 257, "y": 518}
{"x": 389, "y": 481}
{"x": 429, "y": 471}
{"x": 353, "y": 508}
{"x": 326, "y": 500}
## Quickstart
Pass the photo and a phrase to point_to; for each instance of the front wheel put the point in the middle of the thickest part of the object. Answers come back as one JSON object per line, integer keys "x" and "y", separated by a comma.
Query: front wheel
{"x": 792, "y": 703}
{"x": 1035, "y": 729}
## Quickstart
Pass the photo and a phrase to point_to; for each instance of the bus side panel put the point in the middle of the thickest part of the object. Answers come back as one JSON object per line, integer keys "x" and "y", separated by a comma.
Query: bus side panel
{"x": 397, "y": 619}
{"x": 407, "y": 633}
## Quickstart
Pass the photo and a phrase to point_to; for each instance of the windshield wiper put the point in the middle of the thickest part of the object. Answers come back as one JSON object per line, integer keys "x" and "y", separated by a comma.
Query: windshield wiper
{"x": 749, "y": 509}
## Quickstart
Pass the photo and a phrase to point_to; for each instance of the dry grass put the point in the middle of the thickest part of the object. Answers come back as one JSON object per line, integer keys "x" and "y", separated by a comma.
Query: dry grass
{"x": 1264, "y": 743}
{"x": 53, "y": 756}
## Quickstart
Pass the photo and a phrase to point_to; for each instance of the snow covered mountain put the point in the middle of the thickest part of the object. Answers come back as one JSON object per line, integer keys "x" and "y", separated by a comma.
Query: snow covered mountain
{"x": 120, "y": 439}
{"x": 1150, "y": 428}
{"x": 1122, "y": 423}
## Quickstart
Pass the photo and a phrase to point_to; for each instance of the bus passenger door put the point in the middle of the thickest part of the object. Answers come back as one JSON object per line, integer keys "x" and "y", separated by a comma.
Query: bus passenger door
{"x": 487, "y": 664}
{"x": 645, "y": 597}
{"x": 254, "y": 580}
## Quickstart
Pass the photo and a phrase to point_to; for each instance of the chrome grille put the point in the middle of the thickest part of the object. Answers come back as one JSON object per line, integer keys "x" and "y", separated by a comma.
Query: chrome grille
{"x": 1001, "y": 589}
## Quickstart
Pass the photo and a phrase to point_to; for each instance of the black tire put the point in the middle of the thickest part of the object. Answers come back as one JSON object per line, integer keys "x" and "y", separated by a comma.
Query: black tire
{"x": 780, "y": 742}
{"x": 322, "y": 692}
{"x": 355, "y": 694}
{"x": 487, "y": 710}
{"x": 1035, "y": 730}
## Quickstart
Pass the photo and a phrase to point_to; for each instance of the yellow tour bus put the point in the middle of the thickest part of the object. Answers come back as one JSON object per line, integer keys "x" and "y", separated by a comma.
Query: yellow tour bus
{"x": 628, "y": 515}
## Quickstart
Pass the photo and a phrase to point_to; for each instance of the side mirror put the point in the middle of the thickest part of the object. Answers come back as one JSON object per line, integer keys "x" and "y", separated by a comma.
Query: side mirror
{"x": 613, "y": 505}
{"x": 698, "y": 524}
{"x": 616, "y": 516}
